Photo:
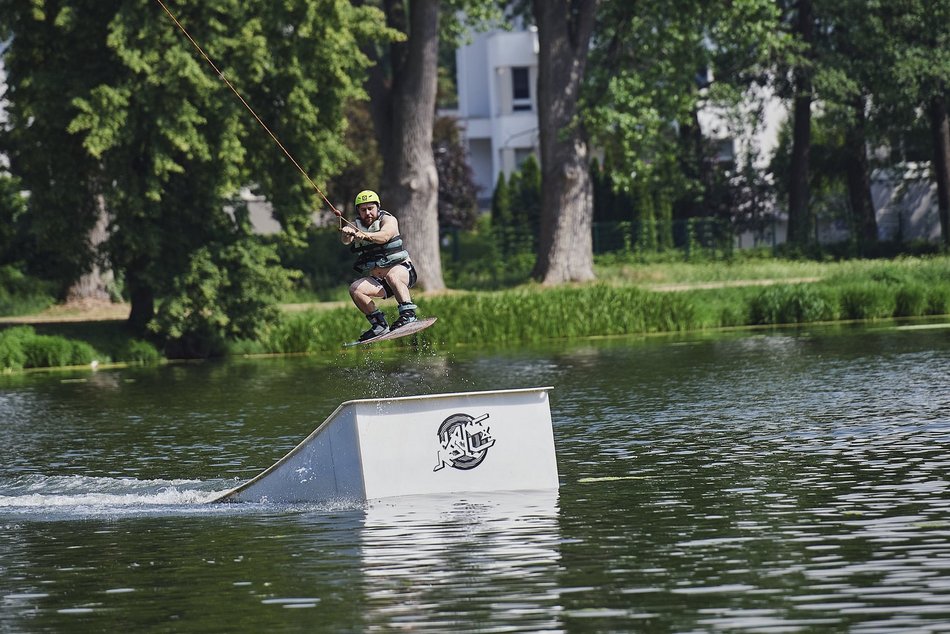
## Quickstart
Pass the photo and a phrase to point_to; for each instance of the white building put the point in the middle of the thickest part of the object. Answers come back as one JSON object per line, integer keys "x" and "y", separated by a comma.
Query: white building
{"x": 497, "y": 106}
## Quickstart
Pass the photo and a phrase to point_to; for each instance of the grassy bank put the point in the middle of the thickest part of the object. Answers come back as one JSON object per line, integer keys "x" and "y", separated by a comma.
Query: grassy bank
{"x": 627, "y": 299}
{"x": 911, "y": 287}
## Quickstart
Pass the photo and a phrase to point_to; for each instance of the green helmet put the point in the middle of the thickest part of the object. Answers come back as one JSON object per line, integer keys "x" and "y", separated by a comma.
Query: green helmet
{"x": 367, "y": 196}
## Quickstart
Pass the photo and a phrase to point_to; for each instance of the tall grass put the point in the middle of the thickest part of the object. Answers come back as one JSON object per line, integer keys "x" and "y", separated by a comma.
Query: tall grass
{"x": 530, "y": 313}
{"x": 791, "y": 303}
{"x": 909, "y": 287}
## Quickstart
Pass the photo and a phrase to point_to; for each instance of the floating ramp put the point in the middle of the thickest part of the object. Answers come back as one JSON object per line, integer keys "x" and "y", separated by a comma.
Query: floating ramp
{"x": 498, "y": 440}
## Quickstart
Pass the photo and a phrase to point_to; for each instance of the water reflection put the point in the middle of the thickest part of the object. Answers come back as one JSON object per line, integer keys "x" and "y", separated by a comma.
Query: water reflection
{"x": 434, "y": 561}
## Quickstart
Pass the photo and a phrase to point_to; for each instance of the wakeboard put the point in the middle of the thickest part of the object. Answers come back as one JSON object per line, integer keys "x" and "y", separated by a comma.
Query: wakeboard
{"x": 409, "y": 329}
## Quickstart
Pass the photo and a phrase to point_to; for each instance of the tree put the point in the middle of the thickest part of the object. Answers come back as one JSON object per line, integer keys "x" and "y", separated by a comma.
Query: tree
{"x": 566, "y": 244}
{"x": 52, "y": 56}
{"x": 403, "y": 85}
{"x": 920, "y": 50}
{"x": 163, "y": 140}
{"x": 799, "y": 212}
{"x": 13, "y": 207}
{"x": 458, "y": 206}
{"x": 526, "y": 201}
{"x": 849, "y": 79}
{"x": 655, "y": 66}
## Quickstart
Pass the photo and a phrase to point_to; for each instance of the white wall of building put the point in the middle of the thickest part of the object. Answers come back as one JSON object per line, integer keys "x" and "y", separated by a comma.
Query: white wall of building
{"x": 499, "y": 130}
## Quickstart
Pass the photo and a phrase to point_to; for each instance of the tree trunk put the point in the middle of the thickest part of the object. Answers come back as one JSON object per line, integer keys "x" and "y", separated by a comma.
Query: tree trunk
{"x": 940, "y": 132}
{"x": 799, "y": 216}
{"x": 859, "y": 178}
{"x": 142, "y": 298}
{"x": 404, "y": 118}
{"x": 94, "y": 285}
{"x": 566, "y": 250}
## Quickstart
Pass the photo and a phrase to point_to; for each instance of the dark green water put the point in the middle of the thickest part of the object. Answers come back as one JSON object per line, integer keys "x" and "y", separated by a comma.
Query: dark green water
{"x": 779, "y": 482}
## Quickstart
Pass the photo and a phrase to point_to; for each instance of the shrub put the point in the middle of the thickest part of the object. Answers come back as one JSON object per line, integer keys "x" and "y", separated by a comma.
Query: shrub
{"x": 21, "y": 347}
{"x": 139, "y": 352}
{"x": 11, "y": 353}
{"x": 81, "y": 353}
{"x": 45, "y": 351}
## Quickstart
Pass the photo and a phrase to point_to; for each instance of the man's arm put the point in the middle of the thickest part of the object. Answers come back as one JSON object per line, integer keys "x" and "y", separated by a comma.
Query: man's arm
{"x": 388, "y": 229}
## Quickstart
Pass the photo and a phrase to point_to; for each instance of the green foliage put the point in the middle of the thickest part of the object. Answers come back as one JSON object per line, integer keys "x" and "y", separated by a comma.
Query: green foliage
{"x": 138, "y": 352}
{"x": 866, "y": 300}
{"x": 229, "y": 292}
{"x": 664, "y": 222}
{"x": 785, "y": 304}
{"x": 709, "y": 238}
{"x": 516, "y": 210}
{"x": 458, "y": 207}
{"x": 938, "y": 300}
{"x": 610, "y": 204}
{"x": 365, "y": 165}
{"x": 21, "y": 347}
{"x": 501, "y": 216}
{"x": 526, "y": 203}
{"x": 646, "y": 240}
{"x": 313, "y": 331}
{"x": 911, "y": 301}
{"x": 22, "y": 295}
{"x": 115, "y": 101}
{"x": 13, "y": 207}
{"x": 12, "y": 356}
{"x": 326, "y": 266}
{"x": 533, "y": 315}
{"x": 512, "y": 316}
{"x": 478, "y": 264}
{"x": 53, "y": 58}
{"x": 642, "y": 77}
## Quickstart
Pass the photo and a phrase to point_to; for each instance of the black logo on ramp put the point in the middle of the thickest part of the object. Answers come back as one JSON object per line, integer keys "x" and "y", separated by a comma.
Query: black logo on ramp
{"x": 464, "y": 441}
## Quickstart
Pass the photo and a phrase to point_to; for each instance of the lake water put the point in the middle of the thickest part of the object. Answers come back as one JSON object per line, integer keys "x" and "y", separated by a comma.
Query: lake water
{"x": 780, "y": 481}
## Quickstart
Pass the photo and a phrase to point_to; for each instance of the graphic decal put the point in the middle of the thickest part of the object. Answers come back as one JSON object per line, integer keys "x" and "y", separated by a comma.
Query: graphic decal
{"x": 464, "y": 440}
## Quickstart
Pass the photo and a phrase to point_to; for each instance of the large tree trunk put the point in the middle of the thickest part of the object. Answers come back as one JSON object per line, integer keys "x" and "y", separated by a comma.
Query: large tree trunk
{"x": 404, "y": 112}
{"x": 799, "y": 215}
{"x": 566, "y": 250}
{"x": 859, "y": 178}
{"x": 94, "y": 285}
{"x": 940, "y": 132}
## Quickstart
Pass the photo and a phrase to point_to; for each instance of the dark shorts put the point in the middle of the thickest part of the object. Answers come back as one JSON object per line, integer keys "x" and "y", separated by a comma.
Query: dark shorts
{"x": 412, "y": 279}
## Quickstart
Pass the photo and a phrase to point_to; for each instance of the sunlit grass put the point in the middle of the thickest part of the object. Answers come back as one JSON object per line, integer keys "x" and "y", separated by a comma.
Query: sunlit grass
{"x": 625, "y": 301}
{"x": 532, "y": 313}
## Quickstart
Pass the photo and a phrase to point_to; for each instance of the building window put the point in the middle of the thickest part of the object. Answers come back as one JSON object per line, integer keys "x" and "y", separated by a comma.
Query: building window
{"x": 520, "y": 88}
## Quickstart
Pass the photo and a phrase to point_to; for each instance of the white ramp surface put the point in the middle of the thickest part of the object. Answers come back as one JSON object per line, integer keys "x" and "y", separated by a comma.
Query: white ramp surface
{"x": 498, "y": 440}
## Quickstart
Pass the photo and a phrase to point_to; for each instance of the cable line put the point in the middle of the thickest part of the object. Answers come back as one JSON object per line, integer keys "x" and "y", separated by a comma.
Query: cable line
{"x": 251, "y": 110}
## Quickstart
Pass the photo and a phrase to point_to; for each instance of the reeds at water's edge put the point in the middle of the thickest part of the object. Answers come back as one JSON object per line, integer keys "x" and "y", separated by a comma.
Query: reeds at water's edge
{"x": 533, "y": 314}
